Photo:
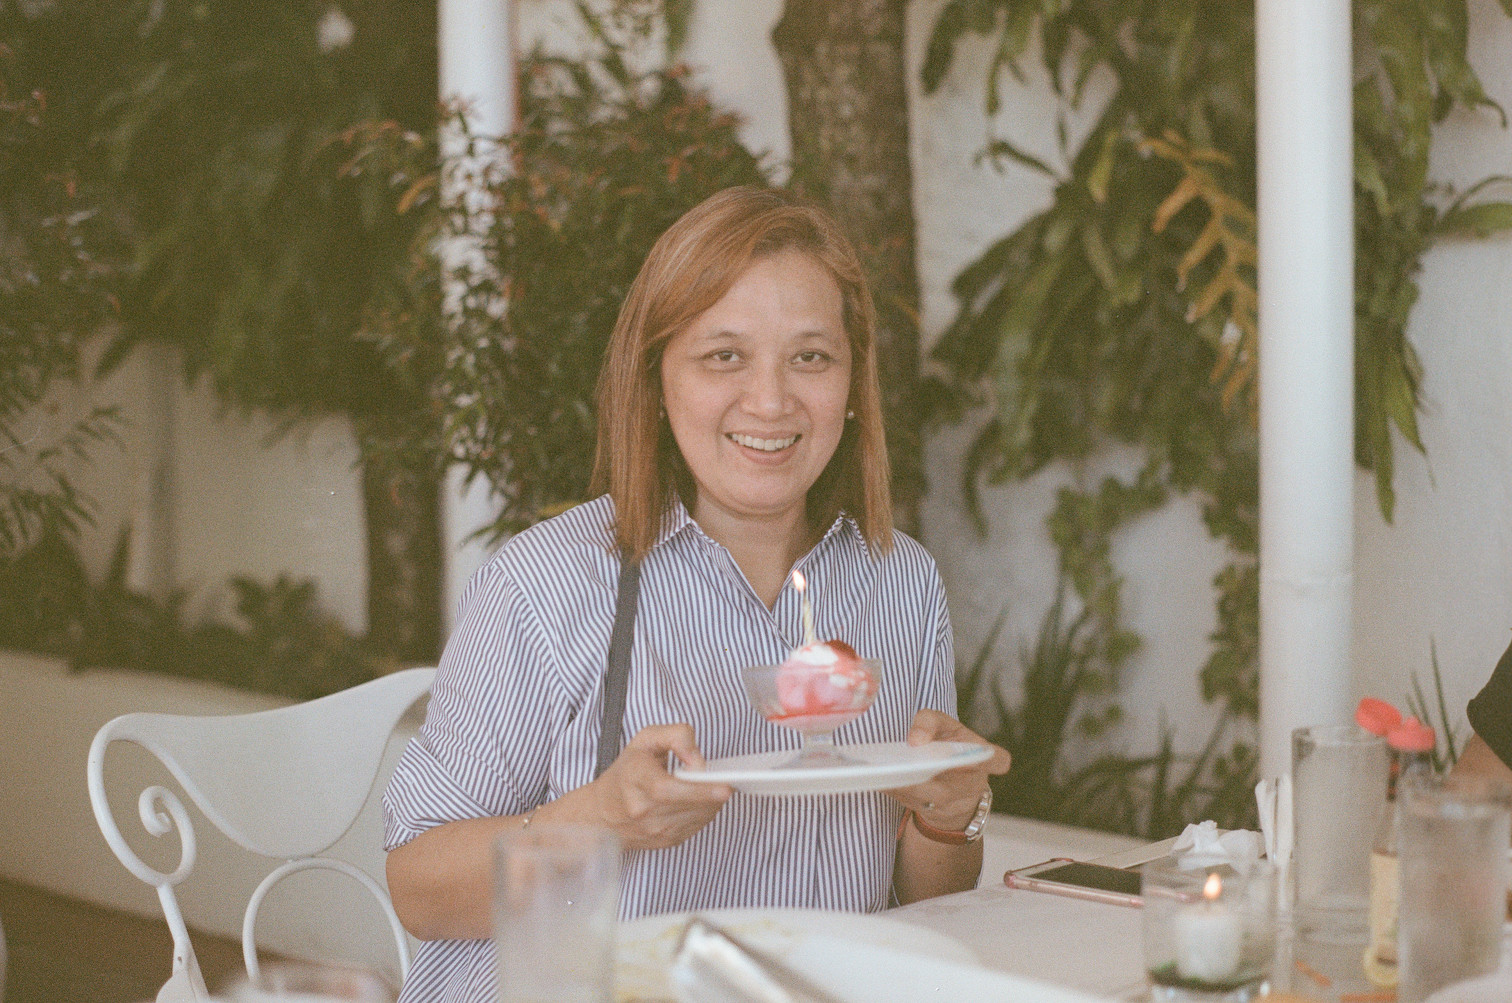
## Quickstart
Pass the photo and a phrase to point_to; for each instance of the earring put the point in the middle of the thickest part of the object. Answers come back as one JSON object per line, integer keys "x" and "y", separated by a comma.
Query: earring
{"x": 850, "y": 415}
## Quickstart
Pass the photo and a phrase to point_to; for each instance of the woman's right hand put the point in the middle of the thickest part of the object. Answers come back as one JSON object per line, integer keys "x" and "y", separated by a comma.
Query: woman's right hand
{"x": 645, "y": 804}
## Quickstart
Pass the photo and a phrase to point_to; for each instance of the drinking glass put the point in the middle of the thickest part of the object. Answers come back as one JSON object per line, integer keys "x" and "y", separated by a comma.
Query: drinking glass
{"x": 814, "y": 700}
{"x": 1452, "y": 853}
{"x": 1339, "y": 776}
{"x": 555, "y": 898}
{"x": 1209, "y": 932}
{"x": 296, "y": 982}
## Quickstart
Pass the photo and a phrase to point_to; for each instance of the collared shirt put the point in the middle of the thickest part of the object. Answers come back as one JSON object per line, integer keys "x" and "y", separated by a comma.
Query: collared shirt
{"x": 516, "y": 706}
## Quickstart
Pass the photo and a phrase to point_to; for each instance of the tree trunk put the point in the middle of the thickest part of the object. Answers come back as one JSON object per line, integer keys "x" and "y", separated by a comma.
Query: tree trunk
{"x": 402, "y": 500}
{"x": 848, "y": 116}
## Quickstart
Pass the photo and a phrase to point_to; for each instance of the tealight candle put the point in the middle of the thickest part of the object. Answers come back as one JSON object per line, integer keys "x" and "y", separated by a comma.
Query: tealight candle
{"x": 1209, "y": 937}
{"x": 801, "y": 584}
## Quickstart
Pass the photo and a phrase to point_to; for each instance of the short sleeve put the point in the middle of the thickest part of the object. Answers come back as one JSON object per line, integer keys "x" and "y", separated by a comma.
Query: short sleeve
{"x": 1491, "y": 711}
{"x": 938, "y": 685}
{"x": 495, "y": 705}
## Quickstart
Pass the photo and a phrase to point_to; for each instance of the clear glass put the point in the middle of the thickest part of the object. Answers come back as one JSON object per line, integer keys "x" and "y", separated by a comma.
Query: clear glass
{"x": 296, "y": 982}
{"x": 1209, "y": 932}
{"x": 813, "y": 700}
{"x": 1453, "y": 860}
{"x": 1339, "y": 777}
{"x": 555, "y": 902}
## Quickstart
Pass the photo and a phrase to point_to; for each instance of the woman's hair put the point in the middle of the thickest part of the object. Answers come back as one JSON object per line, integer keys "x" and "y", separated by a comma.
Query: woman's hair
{"x": 689, "y": 269}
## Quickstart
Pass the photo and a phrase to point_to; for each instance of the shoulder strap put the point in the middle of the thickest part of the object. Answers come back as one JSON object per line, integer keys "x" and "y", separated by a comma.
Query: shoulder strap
{"x": 617, "y": 675}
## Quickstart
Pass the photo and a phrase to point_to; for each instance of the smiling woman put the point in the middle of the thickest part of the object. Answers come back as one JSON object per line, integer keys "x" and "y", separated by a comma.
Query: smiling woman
{"x": 755, "y": 391}
{"x": 731, "y": 460}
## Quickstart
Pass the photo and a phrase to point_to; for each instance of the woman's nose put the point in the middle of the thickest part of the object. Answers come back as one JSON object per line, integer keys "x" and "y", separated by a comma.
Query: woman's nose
{"x": 766, "y": 392}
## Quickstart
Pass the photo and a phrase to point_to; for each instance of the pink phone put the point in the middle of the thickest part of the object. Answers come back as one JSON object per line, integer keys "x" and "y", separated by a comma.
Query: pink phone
{"x": 1076, "y": 879}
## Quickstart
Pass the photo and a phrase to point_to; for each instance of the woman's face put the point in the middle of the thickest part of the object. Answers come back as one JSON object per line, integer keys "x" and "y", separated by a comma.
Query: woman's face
{"x": 755, "y": 390}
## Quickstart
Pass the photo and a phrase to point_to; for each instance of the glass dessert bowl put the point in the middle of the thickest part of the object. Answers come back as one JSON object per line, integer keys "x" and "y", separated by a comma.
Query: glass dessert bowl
{"x": 820, "y": 687}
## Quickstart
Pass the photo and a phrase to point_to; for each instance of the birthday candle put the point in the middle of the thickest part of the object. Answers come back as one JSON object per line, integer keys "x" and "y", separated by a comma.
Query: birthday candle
{"x": 801, "y": 584}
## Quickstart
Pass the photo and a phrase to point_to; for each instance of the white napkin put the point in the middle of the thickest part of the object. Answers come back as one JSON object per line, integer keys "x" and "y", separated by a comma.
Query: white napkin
{"x": 1201, "y": 845}
{"x": 1273, "y": 796}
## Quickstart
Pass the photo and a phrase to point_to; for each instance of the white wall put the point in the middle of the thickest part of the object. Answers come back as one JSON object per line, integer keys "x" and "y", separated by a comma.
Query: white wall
{"x": 244, "y": 503}
{"x": 1443, "y": 571}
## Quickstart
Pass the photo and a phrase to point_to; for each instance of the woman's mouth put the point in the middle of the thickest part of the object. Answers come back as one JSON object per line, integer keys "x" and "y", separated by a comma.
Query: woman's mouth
{"x": 765, "y": 445}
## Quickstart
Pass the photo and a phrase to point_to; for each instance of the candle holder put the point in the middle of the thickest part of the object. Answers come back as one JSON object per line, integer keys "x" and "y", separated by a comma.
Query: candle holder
{"x": 1209, "y": 932}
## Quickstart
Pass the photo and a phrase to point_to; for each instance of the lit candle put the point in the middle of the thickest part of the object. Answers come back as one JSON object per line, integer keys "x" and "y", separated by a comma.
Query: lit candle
{"x": 1209, "y": 937}
{"x": 801, "y": 584}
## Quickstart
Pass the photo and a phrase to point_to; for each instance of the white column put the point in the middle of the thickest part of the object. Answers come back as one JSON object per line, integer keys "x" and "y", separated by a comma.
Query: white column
{"x": 1306, "y": 278}
{"x": 476, "y": 68}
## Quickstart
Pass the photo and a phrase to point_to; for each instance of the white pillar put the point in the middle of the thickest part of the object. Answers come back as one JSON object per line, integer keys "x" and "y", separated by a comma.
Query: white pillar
{"x": 476, "y": 68}
{"x": 1306, "y": 278}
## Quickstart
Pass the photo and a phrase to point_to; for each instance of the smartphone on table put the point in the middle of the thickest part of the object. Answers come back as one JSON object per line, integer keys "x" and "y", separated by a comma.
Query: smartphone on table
{"x": 1078, "y": 879}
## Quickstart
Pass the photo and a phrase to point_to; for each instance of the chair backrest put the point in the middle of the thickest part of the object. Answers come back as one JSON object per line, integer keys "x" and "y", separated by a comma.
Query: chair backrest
{"x": 284, "y": 783}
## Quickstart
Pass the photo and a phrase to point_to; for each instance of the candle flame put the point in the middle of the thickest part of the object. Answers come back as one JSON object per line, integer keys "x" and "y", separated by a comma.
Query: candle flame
{"x": 799, "y": 582}
{"x": 1213, "y": 887}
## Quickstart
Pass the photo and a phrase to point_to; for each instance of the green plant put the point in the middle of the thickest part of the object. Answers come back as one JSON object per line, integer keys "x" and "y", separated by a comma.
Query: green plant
{"x": 1124, "y": 312}
{"x": 213, "y": 130}
{"x": 58, "y": 263}
{"x": 280, "y": 641}
{"x": 605, "y": 158}
{"x": 1446, "y": 750}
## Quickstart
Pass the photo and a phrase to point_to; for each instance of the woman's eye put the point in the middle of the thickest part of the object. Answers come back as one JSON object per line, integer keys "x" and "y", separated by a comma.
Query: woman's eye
{"x": 725, "y": 355}
{"x": 813, "y": 357}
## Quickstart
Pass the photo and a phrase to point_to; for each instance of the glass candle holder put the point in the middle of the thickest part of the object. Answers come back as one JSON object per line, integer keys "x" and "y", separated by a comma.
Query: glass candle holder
{"x": 1209, "y": 932}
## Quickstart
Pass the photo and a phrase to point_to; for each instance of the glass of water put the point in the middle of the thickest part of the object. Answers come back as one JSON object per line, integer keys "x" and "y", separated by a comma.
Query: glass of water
{"x": 1339, "y": 776}
{"x": 556, "y": 899}
{"x": 1453, "y": 860}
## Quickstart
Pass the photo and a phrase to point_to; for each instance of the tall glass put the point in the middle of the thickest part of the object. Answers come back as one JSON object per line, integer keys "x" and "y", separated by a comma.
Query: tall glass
{"x": 1339, "y": 776}
{"x": 556, "y": 897}
{"x": 1453, "y": 857}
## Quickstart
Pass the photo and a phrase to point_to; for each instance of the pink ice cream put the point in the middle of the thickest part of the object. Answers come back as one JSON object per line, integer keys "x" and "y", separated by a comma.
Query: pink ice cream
{"x": 822, "y": 686}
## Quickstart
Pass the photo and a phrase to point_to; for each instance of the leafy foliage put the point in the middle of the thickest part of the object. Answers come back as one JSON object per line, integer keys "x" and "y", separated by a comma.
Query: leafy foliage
{"x": 258, "y": 248}
{"x": 283, "y": 644}
{"x": 1124, "y": 311}
{"x": 605, "y": 159}
{"x": 58, "y": 262}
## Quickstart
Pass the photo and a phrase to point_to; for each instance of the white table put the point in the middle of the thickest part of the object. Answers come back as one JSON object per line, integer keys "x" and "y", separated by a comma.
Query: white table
{"x": 1083, "y": 945}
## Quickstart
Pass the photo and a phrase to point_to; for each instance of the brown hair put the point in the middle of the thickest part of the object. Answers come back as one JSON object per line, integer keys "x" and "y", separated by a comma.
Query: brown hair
{"x": 689, "y": 269}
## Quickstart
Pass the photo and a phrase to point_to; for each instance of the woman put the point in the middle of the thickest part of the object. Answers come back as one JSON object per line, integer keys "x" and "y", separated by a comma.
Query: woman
{"x": 740, "y": 437}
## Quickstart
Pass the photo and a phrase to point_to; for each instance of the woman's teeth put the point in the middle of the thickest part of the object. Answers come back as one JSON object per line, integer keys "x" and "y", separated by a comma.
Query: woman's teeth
{"x": 766, "y": 445}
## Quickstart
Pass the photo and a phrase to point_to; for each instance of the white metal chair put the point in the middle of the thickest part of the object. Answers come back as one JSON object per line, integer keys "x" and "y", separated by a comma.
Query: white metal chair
{"x": 284, "y": 783}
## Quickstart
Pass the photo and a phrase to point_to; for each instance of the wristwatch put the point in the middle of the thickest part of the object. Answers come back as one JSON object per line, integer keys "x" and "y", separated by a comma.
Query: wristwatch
{"x": 970, "y": 834}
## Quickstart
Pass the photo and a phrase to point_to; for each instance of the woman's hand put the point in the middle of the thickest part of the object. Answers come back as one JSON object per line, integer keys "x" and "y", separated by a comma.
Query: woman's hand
{"x": 646, "y": 805}
{"x": 949, "y": 800}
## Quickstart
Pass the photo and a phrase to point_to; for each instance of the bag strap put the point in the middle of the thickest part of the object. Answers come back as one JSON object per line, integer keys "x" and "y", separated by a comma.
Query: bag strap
{"x": 617, "y": 675}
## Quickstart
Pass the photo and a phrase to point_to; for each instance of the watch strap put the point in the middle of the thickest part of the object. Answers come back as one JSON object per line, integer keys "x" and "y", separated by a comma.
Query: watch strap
{"x": 970, "y": 834}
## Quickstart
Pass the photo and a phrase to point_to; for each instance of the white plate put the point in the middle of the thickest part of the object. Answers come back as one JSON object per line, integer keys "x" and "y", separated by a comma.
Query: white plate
{"x": 643, "y": 947}
{"x": 857, "y": 958}
{"x": 878, "y": 766}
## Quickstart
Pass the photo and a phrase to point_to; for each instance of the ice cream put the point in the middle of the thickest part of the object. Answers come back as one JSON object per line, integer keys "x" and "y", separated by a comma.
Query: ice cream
{"x": 822, "y": 686}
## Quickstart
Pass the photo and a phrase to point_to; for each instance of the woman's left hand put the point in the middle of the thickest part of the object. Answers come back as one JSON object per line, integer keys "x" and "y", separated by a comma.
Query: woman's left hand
{"x": 949, "y": 800}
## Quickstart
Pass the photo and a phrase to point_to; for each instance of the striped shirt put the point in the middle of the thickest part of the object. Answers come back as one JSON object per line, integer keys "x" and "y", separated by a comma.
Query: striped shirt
{"x": 516, "y": 707}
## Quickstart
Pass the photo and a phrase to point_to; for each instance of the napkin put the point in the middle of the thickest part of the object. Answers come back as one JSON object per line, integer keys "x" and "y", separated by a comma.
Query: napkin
{"x": 1202, "y": 845}
{"x": 1273, "y": 796}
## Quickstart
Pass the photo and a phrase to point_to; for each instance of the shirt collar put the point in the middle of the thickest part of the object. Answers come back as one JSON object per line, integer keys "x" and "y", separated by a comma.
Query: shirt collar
{"x": 676, "y": 519}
